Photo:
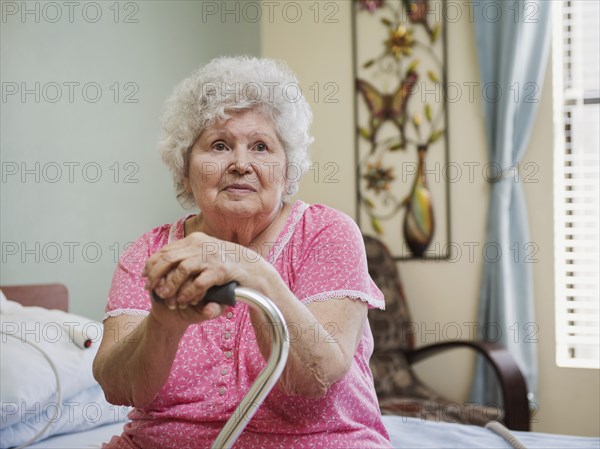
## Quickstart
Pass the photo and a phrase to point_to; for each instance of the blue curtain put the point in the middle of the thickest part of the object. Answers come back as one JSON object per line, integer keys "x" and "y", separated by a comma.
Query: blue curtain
{"x": 513, "y": 40}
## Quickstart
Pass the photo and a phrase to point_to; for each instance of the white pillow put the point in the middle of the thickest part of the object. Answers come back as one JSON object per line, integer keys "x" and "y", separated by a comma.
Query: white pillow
{"x": 28, "y": 381}
{"x": 86, "y": 410}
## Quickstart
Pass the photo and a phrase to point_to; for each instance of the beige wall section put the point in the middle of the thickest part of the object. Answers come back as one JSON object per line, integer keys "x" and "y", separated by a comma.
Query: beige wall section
{"x": 319, "y": 51}
{"x": 442, "y": 296}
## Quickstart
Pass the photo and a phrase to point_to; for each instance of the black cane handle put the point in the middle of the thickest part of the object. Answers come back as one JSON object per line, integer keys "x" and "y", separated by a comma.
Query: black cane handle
{"x": 221, "y": 294}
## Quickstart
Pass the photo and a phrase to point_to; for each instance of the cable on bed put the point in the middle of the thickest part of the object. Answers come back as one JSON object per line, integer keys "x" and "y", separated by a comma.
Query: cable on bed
{"x": 501, "y": 430}
{"x": 58, "y": 389}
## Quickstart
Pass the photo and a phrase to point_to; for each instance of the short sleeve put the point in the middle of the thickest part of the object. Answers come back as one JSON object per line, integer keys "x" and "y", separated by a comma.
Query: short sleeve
{"x": 127, "y": 295}
{"x": 330, "y": 259}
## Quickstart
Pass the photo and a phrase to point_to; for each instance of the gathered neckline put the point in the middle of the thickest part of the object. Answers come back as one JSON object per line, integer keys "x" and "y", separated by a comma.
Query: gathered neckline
{"x": 177, "y": 231}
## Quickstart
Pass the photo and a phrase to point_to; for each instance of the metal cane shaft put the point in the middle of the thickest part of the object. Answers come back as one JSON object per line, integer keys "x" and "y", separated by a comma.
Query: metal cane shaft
{"x": 267, "y": 378}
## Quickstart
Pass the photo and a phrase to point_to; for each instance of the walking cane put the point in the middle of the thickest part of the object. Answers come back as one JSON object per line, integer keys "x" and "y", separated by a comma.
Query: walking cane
{"x": 268, "y": 377}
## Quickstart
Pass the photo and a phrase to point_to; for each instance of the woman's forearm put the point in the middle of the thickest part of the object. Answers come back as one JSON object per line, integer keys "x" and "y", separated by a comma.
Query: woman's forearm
{"x": 312, "y": 365}
{"x": 315, "y": 360}
{"x": 133, "y": 369}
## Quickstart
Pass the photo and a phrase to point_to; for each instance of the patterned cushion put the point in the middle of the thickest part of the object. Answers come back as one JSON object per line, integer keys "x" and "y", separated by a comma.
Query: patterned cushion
{"x": 394, "y": 377}
{"x": 392, "y": 326}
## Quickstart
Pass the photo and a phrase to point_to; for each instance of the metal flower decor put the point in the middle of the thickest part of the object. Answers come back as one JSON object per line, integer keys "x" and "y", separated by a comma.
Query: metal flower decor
{"x": 401, "y": 120}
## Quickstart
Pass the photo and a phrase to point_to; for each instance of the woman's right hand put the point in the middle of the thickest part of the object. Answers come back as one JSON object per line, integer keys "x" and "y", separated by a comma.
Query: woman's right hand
{"x": 183, "y": 271}
{"x": 183, "y": 316}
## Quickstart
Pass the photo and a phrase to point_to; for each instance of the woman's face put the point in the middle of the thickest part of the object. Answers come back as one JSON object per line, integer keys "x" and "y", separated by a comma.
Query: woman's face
{"x": 237, "y": 167}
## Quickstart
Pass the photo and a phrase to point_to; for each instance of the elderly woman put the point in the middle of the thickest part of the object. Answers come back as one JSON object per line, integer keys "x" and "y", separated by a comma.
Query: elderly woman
{"x": 235, "y": 137}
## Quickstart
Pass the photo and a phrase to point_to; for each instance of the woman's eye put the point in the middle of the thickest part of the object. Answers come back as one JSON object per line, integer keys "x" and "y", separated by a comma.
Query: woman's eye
{"x": 260, "y": 147}
{"x": 219, "y": 146}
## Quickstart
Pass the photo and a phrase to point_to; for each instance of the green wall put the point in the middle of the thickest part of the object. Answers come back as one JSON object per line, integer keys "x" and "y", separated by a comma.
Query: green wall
{"x": 82, "y": 93}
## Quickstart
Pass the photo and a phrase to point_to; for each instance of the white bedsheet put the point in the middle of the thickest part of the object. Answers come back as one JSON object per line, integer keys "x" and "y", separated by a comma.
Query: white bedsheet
{"x": 82, "y": 440}
{"x": 416, "y": 434}
{"x": 405, "y": 433}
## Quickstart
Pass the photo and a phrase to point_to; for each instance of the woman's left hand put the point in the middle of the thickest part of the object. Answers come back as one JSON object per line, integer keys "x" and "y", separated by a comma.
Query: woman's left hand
{"x": 183, "y": 271}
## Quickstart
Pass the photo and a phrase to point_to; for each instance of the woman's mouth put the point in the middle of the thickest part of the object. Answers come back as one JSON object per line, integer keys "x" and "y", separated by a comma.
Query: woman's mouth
{"x": 240, "y": 188}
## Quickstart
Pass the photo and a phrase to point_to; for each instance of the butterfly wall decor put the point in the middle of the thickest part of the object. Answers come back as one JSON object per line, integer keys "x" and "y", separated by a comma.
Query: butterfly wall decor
{"x": 388, "y": 107}
{"x": 402, "y": 144}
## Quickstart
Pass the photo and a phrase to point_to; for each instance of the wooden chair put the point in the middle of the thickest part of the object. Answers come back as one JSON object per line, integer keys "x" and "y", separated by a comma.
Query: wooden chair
{"x": 399, "y": 390}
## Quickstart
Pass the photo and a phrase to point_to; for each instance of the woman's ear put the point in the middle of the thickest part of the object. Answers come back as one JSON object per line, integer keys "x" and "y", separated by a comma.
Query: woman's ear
{"x": 186, "y": 185}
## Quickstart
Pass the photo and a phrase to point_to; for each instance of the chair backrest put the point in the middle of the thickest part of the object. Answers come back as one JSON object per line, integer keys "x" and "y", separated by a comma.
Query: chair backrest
{"x": 392, "y": 328}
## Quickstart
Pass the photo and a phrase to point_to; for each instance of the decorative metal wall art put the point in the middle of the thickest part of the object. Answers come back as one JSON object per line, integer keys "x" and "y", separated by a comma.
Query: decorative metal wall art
{"x": 402, "y": 142}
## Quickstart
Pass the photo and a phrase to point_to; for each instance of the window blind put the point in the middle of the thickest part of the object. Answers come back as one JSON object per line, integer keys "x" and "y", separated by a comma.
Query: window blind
{"x": 576, "y": 56}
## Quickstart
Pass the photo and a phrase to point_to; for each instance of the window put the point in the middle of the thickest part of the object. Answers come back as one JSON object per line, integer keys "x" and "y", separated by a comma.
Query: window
{"x": 576, "y": 56}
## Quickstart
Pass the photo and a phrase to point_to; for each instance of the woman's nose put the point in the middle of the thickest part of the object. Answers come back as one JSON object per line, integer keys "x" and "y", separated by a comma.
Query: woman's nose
{"x": 241, "y": 162}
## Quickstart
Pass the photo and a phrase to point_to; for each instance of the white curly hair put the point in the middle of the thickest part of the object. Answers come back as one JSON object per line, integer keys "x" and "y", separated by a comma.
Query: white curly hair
{"x": 229, "y": 84}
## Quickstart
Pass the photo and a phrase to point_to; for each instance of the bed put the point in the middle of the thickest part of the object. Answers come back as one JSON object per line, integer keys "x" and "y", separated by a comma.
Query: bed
{"x": 404, "y": 432}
